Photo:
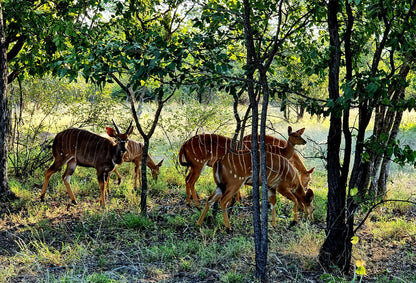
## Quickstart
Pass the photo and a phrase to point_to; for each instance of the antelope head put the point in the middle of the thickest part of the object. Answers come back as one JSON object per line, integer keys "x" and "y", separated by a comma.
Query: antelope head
{"x": 295, "y": 138}
{"x": 307, "y": 206}
{"x": 156, "y": 170}
{"x": 121, "y": 140}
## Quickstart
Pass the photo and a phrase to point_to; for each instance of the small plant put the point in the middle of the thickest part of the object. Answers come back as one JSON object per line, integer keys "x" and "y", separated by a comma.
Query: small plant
{"x": 233, "y": 277}
{"x": 100, "y": 278}
{"x": 136, "y": 221}
{"x": 359, "y": 263}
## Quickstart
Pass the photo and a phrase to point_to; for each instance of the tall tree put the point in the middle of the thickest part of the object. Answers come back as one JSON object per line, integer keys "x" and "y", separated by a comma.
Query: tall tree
{"x": 143, "y": 47}
{"x": 5, "y": 192}
{"x": 333, "y": 249}
{"x": 32, "y": 34}
{"x": 264, "y": 29}
{"x": 381, "y": 32}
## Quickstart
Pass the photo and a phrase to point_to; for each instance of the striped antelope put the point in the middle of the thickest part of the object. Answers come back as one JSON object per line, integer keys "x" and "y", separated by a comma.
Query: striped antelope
{"x": 80, "y": 147}
{"x": 305, "y": 174}
{"x": 134, "y": 154}
{"x": 204, "y": 149}
{"x": 234, "y": 169}
{"x": 198, "y": 151}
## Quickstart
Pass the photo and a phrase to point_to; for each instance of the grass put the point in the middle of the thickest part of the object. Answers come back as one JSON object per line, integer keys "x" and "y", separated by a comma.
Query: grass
{"x": 74, "y": 244}
{"x": 51, "y": 242}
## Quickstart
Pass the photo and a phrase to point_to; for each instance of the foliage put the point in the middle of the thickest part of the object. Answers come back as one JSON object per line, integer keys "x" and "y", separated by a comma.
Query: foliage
{"x": 37, "y": 31}
{"x": 86, "y": 242}
{"x": 36, "y": 104}
{"x": 156, "y": 49}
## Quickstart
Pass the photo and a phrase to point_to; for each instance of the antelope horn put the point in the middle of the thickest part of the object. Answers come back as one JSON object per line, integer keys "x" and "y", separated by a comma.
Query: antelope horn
{"x": 115, "y": 126}
{"x": 128, "y": 129}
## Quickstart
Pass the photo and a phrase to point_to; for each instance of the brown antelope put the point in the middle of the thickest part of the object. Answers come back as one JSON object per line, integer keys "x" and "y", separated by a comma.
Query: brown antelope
{"x": 205, "y": 149}
{"x": 305, "y": 175}
{"x": 134, "y": 154}
{"x": 80, "y": 147}
{"x": 235, "y": 168}
{"x": 198, "y": 151}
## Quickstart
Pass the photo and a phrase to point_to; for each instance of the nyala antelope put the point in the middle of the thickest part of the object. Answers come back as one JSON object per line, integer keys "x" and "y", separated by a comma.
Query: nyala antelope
{"x": 235, "y": 168}
{"x": 305, "y": 174}
{"x": 75, "y": 147}
{"x": 198, "y": 151}
{"x": 134, "y": 154}
{"x": 205, "y": 149}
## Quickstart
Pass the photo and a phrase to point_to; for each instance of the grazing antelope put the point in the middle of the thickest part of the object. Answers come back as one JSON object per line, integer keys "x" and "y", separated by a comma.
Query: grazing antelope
{"x": 305, "y": 174}
{"x": 205, "y": 149}
{"x": 134, "y": 154}
{"x": 235, "y": 168}
{"x": 80, "y": 147}
{"x": 198, "y": 151}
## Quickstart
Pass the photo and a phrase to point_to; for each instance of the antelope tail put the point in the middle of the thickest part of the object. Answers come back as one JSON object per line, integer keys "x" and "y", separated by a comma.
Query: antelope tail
{"x": 183, "y": 160}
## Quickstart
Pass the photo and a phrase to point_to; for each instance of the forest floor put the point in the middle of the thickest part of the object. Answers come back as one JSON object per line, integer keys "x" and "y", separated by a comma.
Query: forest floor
{"x": 387, "y": 260}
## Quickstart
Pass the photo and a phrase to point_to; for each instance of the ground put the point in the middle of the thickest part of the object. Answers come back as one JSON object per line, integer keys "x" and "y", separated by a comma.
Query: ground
{"x": 386, "y": 259}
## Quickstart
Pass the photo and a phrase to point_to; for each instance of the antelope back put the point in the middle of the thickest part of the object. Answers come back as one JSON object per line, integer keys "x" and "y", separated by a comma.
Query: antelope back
{"x": 237, "y": 167}
{"x": 86, "y": 147}
{"x": 280, "y": 169}
{"x": 234, "y": 167}
{"x": 268, "y": 140}
{"x": 294, "y": 137}
{"x": 206, "y": 147}
{"x": 134, "y": 150}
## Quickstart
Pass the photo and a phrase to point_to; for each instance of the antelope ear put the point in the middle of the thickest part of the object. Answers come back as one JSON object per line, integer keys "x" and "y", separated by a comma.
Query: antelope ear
{"x": 111, "y": 132}
{"x": 289, "y": 130}
{"x": 301, "y": 131}
{"x": 160, "y": 163}
{"x": 311, "y": 171}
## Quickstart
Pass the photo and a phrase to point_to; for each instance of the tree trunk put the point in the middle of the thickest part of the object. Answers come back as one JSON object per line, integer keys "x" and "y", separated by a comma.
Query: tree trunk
{"x": 5, "y": 193}
{"x": 334, "y": 252}
{"x": 260, "y": 252}
{"x": 387, "y": 123}
{"x": 263, "y": 171}
{"x": 143, "y": 196}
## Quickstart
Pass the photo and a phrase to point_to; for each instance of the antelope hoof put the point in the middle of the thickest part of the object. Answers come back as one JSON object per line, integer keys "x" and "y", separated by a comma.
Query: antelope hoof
{"x": 119, "y": 181}
{"x": 74, "y": 202}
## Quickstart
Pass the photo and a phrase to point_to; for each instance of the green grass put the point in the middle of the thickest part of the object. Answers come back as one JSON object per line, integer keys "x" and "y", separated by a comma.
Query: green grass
{"x": 393, "y": 229}
{"x": 52, "y": 242}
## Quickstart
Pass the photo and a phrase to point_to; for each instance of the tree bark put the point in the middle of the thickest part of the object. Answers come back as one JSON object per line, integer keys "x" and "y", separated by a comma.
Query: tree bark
{"x": 388, "y": 124}
{"x": 333, "y": 250}
{"x": 258, "y": 226}
{"x": 5, "y": 192}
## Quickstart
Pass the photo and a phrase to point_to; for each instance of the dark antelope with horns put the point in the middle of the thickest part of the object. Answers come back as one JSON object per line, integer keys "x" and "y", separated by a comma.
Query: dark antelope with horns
{"x": 75, "y": 147}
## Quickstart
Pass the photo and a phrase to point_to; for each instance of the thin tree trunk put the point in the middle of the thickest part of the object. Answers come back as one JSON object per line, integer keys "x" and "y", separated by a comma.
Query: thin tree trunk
{"x": 378, "y": 186}
{"x": 144, "y": 188}
{"x": 5, "y": 192}
{"x": 260, "y": 257}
